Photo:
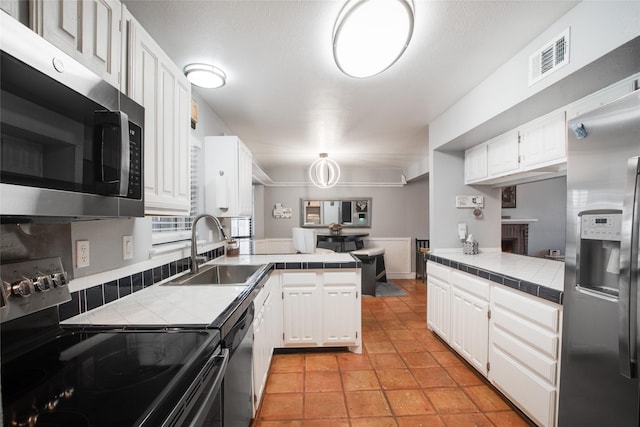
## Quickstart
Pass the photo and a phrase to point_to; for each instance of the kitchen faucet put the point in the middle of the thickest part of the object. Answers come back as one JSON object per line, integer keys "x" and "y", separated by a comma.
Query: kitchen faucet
{"x": 194, "y": 261}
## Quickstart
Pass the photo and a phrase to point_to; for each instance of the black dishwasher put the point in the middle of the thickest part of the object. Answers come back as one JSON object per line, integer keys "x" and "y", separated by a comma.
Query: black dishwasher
{"x": 237, "y": 384}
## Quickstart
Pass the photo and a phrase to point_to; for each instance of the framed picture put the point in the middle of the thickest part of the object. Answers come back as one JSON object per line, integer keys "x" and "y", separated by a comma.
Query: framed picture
{"x": 509, "y": 197}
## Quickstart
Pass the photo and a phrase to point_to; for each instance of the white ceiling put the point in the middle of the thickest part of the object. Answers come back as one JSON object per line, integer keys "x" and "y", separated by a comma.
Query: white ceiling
{"x": 288, "y": 101}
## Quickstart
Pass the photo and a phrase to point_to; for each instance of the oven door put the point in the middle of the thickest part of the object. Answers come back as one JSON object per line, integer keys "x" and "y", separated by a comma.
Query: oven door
{"x": 202, "y": 404}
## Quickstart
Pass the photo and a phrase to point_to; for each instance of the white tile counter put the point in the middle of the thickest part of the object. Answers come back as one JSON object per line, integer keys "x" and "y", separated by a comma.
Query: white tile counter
{"x": 537, "y": 276}
{"x": 195, "y": 305}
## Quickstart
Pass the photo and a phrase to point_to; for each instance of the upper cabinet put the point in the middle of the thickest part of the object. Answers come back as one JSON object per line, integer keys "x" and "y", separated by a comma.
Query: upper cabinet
{"x": 543, "y": 142}
{"x": 503, "y": 154}
{"x": 87, "y": 30}
{"x": 475, "y": 163}
{"x": 228, "y": 177}
{"x": 539, "y": 144}
{"x": 156, "y": 83}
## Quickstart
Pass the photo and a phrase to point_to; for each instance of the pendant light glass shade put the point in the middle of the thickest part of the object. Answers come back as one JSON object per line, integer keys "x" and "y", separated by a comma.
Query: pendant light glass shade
{"x": 370, "y": 35}
{"x": 324, "y": 172}
{"x": 204, "y": 75}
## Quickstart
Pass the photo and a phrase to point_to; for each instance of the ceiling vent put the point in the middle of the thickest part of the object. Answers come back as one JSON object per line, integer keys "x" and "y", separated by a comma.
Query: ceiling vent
{"x": 551, "y": 57}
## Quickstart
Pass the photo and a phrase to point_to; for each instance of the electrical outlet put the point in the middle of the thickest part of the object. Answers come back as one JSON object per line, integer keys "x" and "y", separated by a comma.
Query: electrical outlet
{"x": 82, "y": 253}
{"x": 127, "y": 247}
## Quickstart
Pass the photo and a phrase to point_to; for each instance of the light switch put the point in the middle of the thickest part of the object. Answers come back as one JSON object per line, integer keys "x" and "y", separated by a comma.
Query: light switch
{"x": 127, "y": 247}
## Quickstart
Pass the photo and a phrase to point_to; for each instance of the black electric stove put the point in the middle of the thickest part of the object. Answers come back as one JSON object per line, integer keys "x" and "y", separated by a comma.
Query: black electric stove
{"x": 52, "y": 377}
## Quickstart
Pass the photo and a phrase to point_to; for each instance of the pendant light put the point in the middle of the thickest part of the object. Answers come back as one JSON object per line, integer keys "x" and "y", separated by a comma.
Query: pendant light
{"x": 369, "y": 36}
{"x": 324, "y": 172}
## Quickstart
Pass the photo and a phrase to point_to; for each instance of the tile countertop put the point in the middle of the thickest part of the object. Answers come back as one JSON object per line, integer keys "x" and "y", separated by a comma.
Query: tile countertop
{"x": 195, "y": 305}
{"x": 540, "y": 277}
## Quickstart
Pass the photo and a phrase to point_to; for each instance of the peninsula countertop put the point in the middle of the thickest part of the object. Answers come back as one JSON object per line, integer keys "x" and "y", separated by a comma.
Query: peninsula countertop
{"x": 540, "y": 277}
{"x": 197, "y": 305}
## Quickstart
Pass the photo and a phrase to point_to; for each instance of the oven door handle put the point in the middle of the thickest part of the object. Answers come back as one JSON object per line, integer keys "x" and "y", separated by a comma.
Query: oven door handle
{"x": 200, "y": 416}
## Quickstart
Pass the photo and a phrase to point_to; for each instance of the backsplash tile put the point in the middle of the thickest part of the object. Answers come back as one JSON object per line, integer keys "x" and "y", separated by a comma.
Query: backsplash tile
{"x": 103, "y": 293}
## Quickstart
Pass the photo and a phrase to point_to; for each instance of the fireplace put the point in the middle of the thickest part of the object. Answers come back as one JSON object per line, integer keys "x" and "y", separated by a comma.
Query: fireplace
{"x": 515, "y": 238}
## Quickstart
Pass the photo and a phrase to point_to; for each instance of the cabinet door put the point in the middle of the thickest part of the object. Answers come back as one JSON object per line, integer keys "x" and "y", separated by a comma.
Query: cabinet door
{"x": 341, "y": 309}
{"x": 503, "y": 154}
{"x": 302, "y": 302}
{"x": 87, "y": 30}
{"x": 543, "y": 142}
{"x": 470, "y": 327}
{"x": 258, "y": 360}
{"x": 228, "y": 176}
{"x": 438, "y": 307}
{"x": 475, "y": 163}
{"x": 245, "y": 176}
{"x": 159, "y": 86}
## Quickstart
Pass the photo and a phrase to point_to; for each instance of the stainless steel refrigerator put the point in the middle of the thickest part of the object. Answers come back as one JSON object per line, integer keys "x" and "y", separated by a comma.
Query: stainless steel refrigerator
{"x": 599, "y": 370}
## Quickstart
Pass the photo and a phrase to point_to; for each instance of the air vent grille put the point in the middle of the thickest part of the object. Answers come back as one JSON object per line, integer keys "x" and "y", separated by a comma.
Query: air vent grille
{"x": 551, "y": 57}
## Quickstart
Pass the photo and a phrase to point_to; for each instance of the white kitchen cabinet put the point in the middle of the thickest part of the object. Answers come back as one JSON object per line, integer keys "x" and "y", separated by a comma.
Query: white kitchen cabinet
{"x": 438, "y": 300}
{"x": 503, "y": 154}
{"x": 524, "y": 352}
{"x": 543, "y": 142}
{"x": 510, "y": 337}
{"x": 87, "y": 30}
{"x": 302, "y": 309}
{"x": 156, "y": 83}
{"x": 475, "y": 163}
{"x": 321, "y": 308}
{"x": 469, "y": 334}
{"x": 228, "y": 177}
{"x": 340, "y": 308}
{"x": 12, "y": 7}
{"x": 263, "y": 337}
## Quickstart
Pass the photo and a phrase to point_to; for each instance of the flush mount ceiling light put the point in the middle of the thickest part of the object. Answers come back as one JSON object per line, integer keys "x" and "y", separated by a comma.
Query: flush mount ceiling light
{"x": 324, "y": 172}
{"x": 370, "y": 35}
{"x": 205, "y": 75}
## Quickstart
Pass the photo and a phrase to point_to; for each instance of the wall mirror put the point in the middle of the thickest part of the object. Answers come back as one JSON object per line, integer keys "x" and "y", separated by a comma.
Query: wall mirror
{"x": 347, "y": 212}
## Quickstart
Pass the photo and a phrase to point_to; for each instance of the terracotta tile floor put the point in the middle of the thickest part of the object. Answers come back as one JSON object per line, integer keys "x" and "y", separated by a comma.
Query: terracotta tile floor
{"x": 405, "y": 376}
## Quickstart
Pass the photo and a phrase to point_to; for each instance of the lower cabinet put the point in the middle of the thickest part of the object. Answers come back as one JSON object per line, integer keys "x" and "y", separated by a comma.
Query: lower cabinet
{"x": 438, "y": 300}
{"x": 305, "y": 308}
{"x": 470, "y": 319}
{"x": 264, "y": 336}
{"x": 512, "y": 338}
{"x": 524, "y": 353}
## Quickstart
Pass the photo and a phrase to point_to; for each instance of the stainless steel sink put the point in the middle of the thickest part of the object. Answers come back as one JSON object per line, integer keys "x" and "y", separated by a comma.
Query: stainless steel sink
{"x": 218, "y": 275}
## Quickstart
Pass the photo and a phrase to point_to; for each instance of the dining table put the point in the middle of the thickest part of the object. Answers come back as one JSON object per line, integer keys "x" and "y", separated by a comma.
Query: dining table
{"x": 343, "y": 238}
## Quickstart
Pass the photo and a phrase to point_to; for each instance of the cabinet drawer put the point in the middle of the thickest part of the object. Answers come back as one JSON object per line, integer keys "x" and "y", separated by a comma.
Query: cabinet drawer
{"x": 299, "y": 278}
{"x": 528, "y": 334}
{"x": 538, "y": 313}
{"x": 533, "y": 396}
{"x": 541, "y": 364}
{"x": 341, "y": 278}
{"x": 471, "y": 284}
{"x": 439, "y": 271}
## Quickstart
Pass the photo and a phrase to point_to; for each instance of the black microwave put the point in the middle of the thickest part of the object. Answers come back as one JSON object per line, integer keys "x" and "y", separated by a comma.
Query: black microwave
{"x": 71, "y": 145}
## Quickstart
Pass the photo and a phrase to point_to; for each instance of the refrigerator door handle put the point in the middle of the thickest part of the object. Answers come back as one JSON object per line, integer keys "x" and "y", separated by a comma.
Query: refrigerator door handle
{"x": 629, "y": 324}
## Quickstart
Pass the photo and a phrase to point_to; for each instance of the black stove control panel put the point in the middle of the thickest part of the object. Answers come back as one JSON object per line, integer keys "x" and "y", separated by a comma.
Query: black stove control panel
{"x": 30, "y": 286}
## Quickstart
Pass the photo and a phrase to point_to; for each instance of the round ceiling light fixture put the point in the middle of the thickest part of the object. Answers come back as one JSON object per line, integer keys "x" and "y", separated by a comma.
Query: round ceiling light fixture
{"x": 204, "y": 75}
{"x": 369, "y": 36}
{"x": 324, "y": 172}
